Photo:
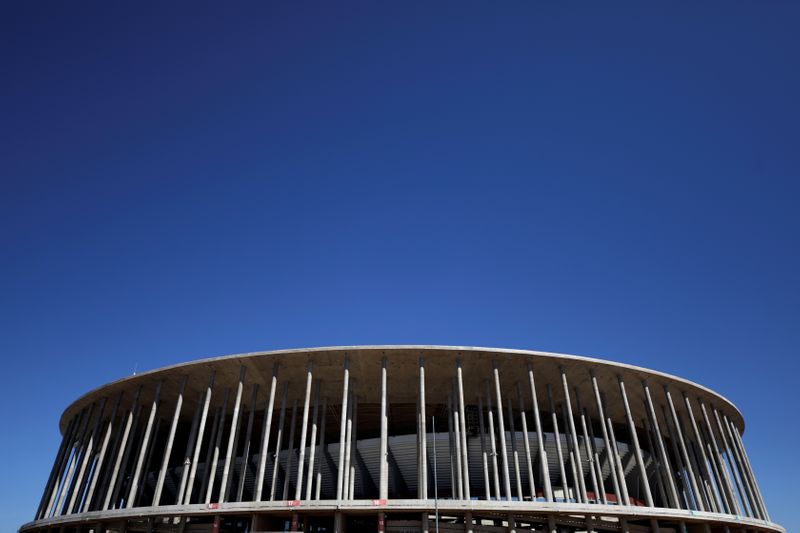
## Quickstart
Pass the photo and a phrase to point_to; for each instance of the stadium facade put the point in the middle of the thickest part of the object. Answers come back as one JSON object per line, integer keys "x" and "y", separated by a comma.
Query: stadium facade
{"x": 402, "y": 439}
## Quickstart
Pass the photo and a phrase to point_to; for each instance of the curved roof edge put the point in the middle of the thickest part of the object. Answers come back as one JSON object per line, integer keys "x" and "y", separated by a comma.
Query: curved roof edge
{"x": 595, "y": 360}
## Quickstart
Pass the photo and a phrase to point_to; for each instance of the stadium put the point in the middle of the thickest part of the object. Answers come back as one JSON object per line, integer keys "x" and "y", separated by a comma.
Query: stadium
{"x": 402, "y": 439}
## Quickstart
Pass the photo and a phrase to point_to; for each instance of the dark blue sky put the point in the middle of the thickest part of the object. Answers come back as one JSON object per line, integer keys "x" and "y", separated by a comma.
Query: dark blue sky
{"x": 185, "y": 179}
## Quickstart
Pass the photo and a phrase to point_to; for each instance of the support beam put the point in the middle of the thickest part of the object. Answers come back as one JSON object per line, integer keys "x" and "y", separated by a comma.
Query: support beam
{"x": 323, "y": 450}
{"x": 199, "y": 442}
{"x": 290, "y": 452}
{"x": 484, "y": 453}
{"x": 276, "y": 458}
{"x": 120, "y": 464}
{"x": 726, "y": 482}
{"x": 606, "y": 442}
{"x": 247, "y": 442}
{"x": 145, "y": 442}
{"x": 559, "y": 452}
{"x": 423, "y": 455}
{"x": 719, "y": 504}
{"x": 571, "y": 420}
{"x": 684, "y": 450}
{"x": 673, "y": 493}
{"x": 211, "y": 471}
{"x": 492, "y": 444}
{"x": 502, "y": 430}
{"x": 348, "y": 453}
{"x": 626, "y": 500}
{"x": 588, "y": 446}
{"x": 298, "y": 492}
{"x": 87, "y": 456}
{"x": 526, "y": 443}
{"x": 265, "y": 433}
{"x": 456, "y": 445}
{"x": 543, "y": 466}
{"x": 233, "y": 435}
{"x": 342, "y": 430}
{"x": 383, "y": 491}
{"x": 312, "y": 443}
{"x": 514, "y": 451}
{"x": 168, "y": 447}
{"x": 99, "y": 466}
{"x": 187, "y": 455}
{"x": 648, "y": 496}
{"x": 463, "y": 421}
{"x": 55, "y": 473}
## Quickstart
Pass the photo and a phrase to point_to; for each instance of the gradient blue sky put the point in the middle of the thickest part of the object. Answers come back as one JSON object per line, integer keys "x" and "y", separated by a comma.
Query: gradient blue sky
{"x": 182, "y": 180}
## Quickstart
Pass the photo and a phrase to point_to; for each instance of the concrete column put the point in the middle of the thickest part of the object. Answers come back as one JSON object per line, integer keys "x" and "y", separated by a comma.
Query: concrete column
{"x": 147, "y": 433}
{"x": 661, "y": 449}
{"x": 746, "y": 475}
{"x": 187, "y": 455}
{"x": 514, "y": 451}
{"x": 276, "y": 458}
{"x": 451, "y": 451}
{"x": 750, "y": 471}
{"x": 290, "y": 452}
{"x": 660, "y": 481}
{"x": 726, "y": 482}
{"x": 98, "y": 469}
{"x": 312, "y": 443}
{"x": 423, "y": 458}
{"x": 265, "y": 431}
{"x": 701, "y": 445}
{"x": 635, "y": 438}
{"x": 342, "y": 430}
{"x": 559, "y": 452}
{"x": 298, "y": 493}
{"x": 607, "y": 444}
{"x": 571, "y": 420}
{"x": 247, "y": 441}
{"x": 353, "y": 449}
{"x": 212, "y": 439}
{"x": 684, "y": 450}
{"x": 383, "y": 490}
{"x": 654, "y": 526}
{"x": 588, "y": 445}
{"x": 596, "y": 459}
{"x": 456, "y": 446}
{"x": 468, "y": 522}
{"x": 626, "y": 500}
{"x": 526, "y": 443}
{"x": 68, "y": 481}
{"x": 122, "y": 449}
{"x": 741, "y": 487}
{"x": 572, "y": 455}
{"x": 551, "y": 524}
{"x": 56, "y": 471}
{"x": 87, "y": 457}
{"x": 680, "y": 468}
{"x": 199, "y": 442}
{"x": 484, "y": 453}
{"x": 544, "y": 468}
{"x": 492, "y": 443}
{"x": 502, "y": 429}
{"x": 232, "y": 437}
{"x": 347, "y": 450}
{"x": 170, "y": 439}
{"x": 463, "y": 423}
{"x": 212, "y": 470}
{"x": 323, "y": 451}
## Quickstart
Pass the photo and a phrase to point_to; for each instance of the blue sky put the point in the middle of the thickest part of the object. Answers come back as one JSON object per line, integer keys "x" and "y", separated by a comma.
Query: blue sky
{"x": 184, "y": 180}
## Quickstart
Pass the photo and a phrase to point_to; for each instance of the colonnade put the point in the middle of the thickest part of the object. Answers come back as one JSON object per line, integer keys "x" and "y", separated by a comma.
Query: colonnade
{"x": 682, "y": 452}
